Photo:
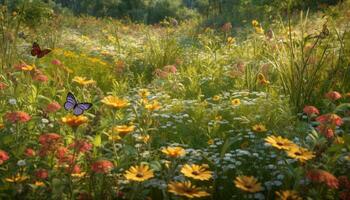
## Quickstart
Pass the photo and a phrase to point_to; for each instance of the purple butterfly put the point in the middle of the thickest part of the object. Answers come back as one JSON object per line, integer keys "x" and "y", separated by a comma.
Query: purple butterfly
{"x": 78, "y": 108}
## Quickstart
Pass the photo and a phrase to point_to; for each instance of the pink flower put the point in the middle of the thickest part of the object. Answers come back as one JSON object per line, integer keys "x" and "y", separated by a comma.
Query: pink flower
{"x": 53, "y": 107}
{"x": 56, "y": 62}
{"x": 332, "y": 119}
{"x": 17, "y": 116}
{"x": 326, "y": 131}
{"x": 310, "y": 110}
{"x": 61, "y": 152}
{"x": 102, "y": 166}
{"x": 333, "y": 95}
{"x": 3, "y": 156}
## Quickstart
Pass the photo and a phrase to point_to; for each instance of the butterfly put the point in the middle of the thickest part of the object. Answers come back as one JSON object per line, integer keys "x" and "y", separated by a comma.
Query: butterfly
{"x": 78, "y": 108}
{"x": 36, "y": 51}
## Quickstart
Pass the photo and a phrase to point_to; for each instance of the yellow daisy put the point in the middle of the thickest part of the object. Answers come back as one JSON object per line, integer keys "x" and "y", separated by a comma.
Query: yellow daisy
{"x": 259, "y": 128}
{"x": 198, "y": 172}
{"x": 186, "y": 189}
{"x": 115, "y": 102}
{"x": 248, "y": 184}
{"x": 174, "y": 152}
{"x": 139, "y": 173}
{"x": 300, "y": 153}
{"x": 82, "y": 80}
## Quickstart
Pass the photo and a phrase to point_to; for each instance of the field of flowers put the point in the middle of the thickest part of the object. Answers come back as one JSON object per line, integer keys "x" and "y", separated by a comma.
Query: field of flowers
{"x": 179, "y": 111}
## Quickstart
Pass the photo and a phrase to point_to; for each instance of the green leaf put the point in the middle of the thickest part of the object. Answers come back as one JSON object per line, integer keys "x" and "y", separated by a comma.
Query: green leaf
{"x": 342, "y": 107}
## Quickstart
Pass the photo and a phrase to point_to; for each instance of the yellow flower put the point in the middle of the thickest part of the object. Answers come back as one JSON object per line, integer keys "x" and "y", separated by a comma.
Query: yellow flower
{"x": 259, "y": 30}
{"x": 123, "y": 130}
{"x": 74, "y": 121}
{"x": 216, "y": 98}
{"x": 1, "y": 126}
{"x": 114, "y": 137}
{"x": 82, "y": 80}
{"x": 259, "y": 128}
{"x": 115, "y": 102}
{"x": 287, "y": 195}
{"x": 174, "y": 152}
{"x": 144, "y": 138}
{"x": 210, "y": 142}
{"x": 198, "y": 172}
{"x": 28, "y": 67}
{"x": 153, "y": 106}
{"x": 79, "y": 175}
{"x": 255, "y": 23}
{"x": 39, "y": 183}
{"x": 17, "y": 178}
{"x": 139, "y": 173}
{"x": 279, "y": 142}
{"x": 300, "y": 153}
{"x": 235, "y": 102}
{"x": 143, "y": 93}
{"x": 248, "y": 184}
{"x": 186, "y": 189}
{"x": 337, "y": 139}
{"x": 218, "y": 117}
{"x": 231, "y": 40}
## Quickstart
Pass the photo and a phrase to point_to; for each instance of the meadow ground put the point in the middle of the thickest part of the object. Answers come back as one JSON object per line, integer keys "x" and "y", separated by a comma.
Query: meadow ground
{"x": 179, "y": 111}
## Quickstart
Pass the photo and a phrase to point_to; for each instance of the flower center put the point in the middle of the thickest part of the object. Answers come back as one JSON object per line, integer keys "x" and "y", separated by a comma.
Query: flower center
{"x": 139, "y": 175}
{"x": 297, "y": 154}
{"x": 196, "y": 173}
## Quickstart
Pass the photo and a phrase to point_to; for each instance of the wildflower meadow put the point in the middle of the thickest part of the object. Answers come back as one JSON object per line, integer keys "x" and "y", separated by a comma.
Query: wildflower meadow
{"x": 190, "y": 99}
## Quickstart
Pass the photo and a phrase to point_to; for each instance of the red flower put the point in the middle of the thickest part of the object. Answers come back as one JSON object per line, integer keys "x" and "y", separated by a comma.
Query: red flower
{"x": 17, "y": 116}
{"x": 41, "y": 78}
{"x": 326, "y": 131}
{"x": 81, "y": 146}
{"x": 332, "y": 119}
{"x": 102, "y": 166}
{"x": 310, "y": 110}
{"x": 75, "y": 170}
{"x": 321, "y": 176}
{"x": 42, "y": 174}
{"x": 3, "y": 156}
{"x": 2, "y": 86}
{"x": 344, "y": 182}
{"x": 53, "y": 107}
{"x": 49, "y": 139}
{"x": 61, "y": 152}
{"x": 345, "y": 195}
{"x": 29, "y": 152}
{"x": 333, "y": 95}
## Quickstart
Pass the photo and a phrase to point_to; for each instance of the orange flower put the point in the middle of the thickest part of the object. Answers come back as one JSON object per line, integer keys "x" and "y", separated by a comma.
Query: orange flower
{"x": 17, "y": 116}
{"x": 321, "y": 176}
{"x": 3, "y": 156}
{"x": 153, "y": 106}
{"x": 333, "y": 95}
{"x": 74, "y": 121}
{"x": 102, "y": 166}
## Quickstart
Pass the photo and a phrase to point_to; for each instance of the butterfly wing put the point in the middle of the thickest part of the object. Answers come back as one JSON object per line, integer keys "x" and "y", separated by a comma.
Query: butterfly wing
{"x": 43, "y": 53}
{"x": 71, "y": 102}
{"x": 35, "y": 49}
{"x": 81, "y": 107}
